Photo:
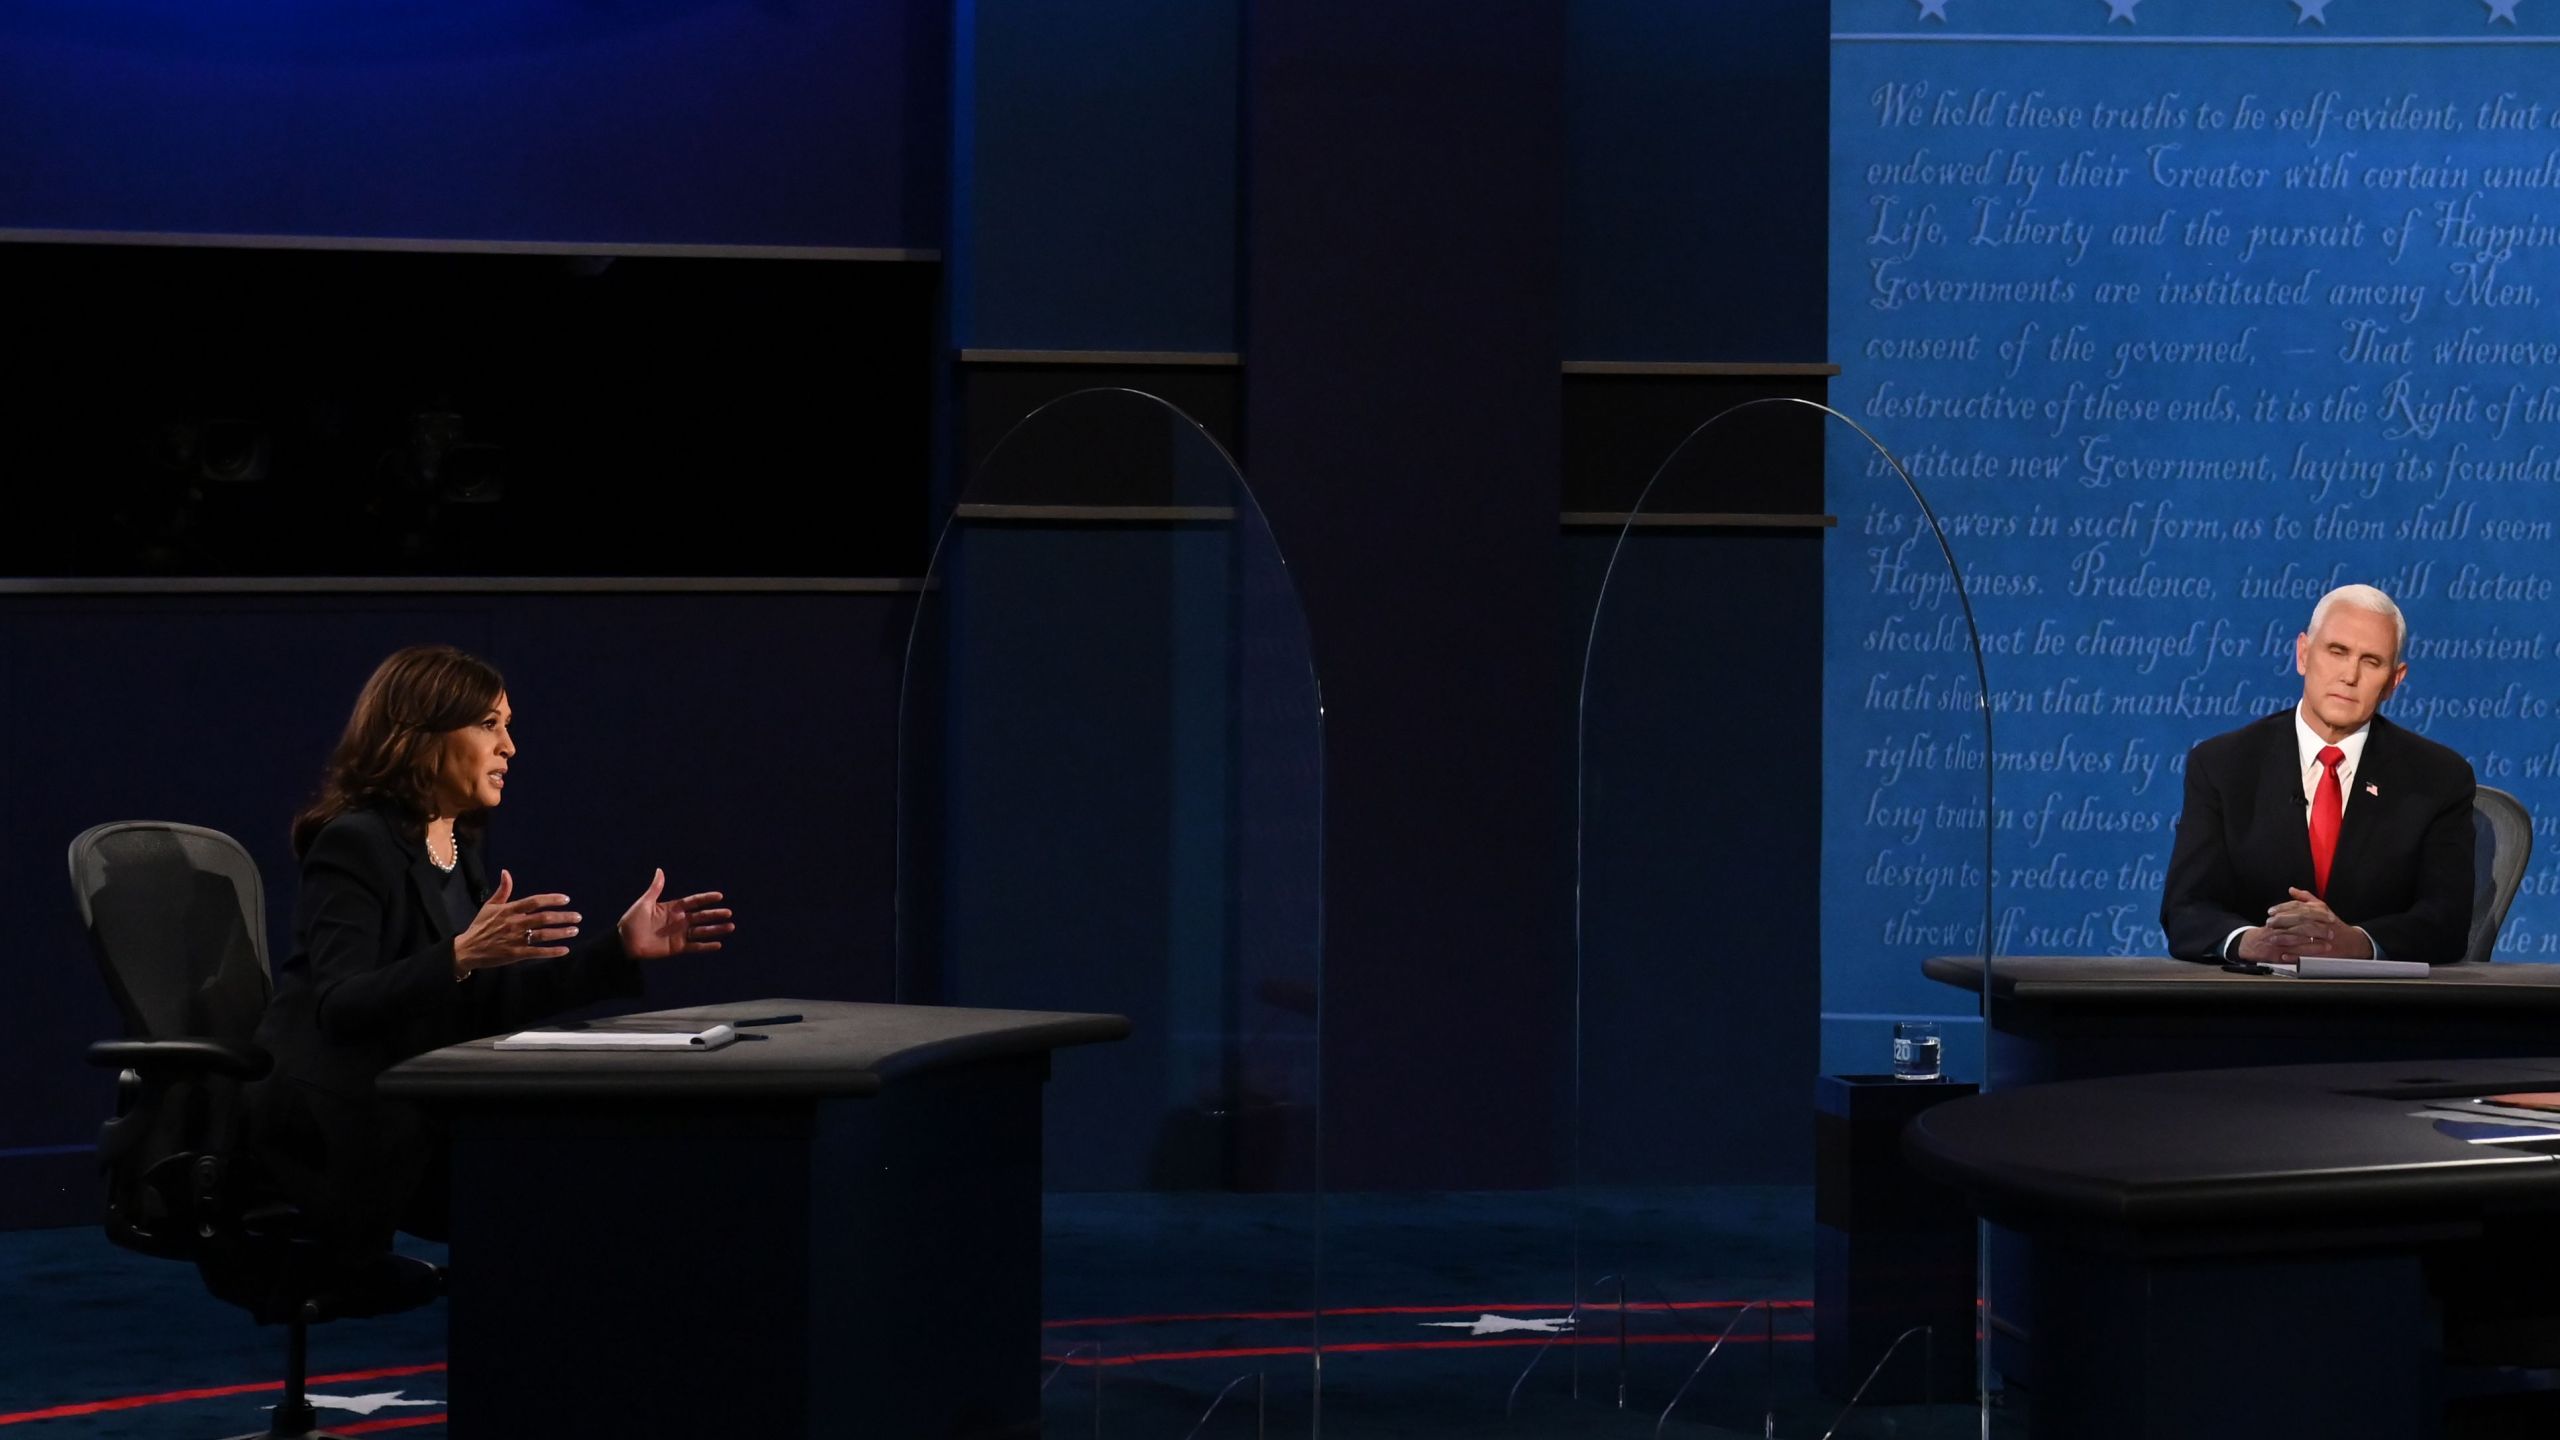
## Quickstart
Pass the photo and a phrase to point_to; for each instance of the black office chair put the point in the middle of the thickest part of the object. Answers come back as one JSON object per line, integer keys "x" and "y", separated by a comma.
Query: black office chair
{"x": 2502, "y": 831}
{"x": 2501, "y": 1331}
{"x": 178, "y": 921}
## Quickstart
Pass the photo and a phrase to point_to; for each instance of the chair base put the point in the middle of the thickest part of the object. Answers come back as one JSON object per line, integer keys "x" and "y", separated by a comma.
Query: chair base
{"x": 295, "y": 1418}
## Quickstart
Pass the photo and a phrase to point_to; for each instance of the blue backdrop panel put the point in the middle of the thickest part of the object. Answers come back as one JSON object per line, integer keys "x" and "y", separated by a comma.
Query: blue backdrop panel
{"x": 662, "y": 121}
{"x": 1094, "y": 174}
{"x": 2182, "y": 314}
{"x": 1671, "y": 112}
{"x": 1064, "y": 878}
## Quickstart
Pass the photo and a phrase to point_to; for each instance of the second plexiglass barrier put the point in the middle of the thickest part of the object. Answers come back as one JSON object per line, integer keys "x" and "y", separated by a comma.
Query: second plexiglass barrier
{"x": 1111, "y": 778}
{"x": 1758, "y": 896}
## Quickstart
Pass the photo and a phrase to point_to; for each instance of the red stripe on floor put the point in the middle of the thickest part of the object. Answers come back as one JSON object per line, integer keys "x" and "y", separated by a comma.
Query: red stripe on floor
{"x": 212, "y": 1392}
{"x": 1637, "y": 1306}
{"x": 218, "y": 1392}
{"x": 1516, "y": 1341}
{"x": 1387, "y": 1346}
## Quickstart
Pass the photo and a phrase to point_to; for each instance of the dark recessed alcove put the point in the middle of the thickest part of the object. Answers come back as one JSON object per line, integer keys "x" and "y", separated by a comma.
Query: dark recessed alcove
{"x": 207, "y": 411}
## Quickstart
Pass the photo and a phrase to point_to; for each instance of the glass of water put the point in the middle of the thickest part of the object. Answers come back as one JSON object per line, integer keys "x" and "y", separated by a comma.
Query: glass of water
{"x": 1915, "y": 1050}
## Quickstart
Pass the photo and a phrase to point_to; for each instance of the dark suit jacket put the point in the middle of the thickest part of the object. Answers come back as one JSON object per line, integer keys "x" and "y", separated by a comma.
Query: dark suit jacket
{"x": 369, "y": 984}
{"x": 2403, "y": 867}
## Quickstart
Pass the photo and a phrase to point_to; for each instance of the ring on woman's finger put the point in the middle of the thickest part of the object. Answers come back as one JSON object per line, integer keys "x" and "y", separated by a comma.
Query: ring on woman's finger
{"x": 528, "y": 937}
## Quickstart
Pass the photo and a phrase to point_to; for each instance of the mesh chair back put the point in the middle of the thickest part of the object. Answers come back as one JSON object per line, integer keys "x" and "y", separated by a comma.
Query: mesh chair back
{"x": 177, "y": 919}
{"x": 179, "y": 922}
{"x": 2503, "y": 834}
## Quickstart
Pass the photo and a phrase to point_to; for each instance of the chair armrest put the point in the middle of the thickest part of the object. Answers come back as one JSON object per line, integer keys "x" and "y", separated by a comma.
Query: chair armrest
{"x": 181, "y": 1059}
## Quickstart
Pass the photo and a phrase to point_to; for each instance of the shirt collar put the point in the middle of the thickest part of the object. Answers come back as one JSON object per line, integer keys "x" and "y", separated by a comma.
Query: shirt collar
{"x": 2308, "y": 744}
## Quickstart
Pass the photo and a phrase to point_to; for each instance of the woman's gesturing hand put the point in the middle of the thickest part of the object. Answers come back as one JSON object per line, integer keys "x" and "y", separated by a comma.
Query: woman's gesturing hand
{"x": 508, "y": 930}
{"x": 653, "y": 929}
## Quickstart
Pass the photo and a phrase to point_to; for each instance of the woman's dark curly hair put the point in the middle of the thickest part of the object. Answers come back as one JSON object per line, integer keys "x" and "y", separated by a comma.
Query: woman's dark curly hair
{"x": 395, "y": 738}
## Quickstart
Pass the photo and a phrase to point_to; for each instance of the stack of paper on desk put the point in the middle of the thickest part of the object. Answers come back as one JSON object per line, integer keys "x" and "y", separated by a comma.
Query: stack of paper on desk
{"x": 2340, "y": 967}
{"x": 2493, "y": 1119}
{"x": 596, "y": 1037}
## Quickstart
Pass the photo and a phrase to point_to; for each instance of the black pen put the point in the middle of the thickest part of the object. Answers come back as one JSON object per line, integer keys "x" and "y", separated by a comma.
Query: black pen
{"x": 762, "y": 1020}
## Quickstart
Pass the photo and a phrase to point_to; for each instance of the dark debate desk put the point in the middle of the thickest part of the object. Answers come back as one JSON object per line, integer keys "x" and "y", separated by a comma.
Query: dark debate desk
{"x": 2260, "y": 1252}
{"x": 2068, "y": 1017}
{"x": 2075, "y": 1017}
{"x": 834, "y": 1229}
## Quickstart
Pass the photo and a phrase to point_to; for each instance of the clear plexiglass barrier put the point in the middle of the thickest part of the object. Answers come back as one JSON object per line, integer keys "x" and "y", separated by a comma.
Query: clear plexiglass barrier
{"x": 1756, "y": 900}
{"x": 1111, "y": 770}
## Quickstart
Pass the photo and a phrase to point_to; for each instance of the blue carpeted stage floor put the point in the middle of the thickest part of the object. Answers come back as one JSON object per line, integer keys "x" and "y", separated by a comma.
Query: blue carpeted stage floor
{"x": 1160, "y": 1306}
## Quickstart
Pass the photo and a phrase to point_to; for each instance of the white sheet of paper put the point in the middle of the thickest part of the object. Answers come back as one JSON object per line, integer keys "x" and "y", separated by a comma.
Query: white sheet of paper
{"x": 711, "y": 1039}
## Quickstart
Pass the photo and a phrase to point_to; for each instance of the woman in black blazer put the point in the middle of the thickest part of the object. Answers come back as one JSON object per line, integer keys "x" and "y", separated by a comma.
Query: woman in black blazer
{"x": 401, "y": 946}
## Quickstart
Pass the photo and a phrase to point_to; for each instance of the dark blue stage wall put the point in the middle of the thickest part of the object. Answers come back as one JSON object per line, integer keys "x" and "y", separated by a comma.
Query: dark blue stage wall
{"x": 1401, "y": 267}
{"x": 1691, "y": 935}
{"x": 1093, "y": 175}
{"x": 653, "y": 121}
{"x": 2182, "y": 314}
{"x": 1672, "y": 111}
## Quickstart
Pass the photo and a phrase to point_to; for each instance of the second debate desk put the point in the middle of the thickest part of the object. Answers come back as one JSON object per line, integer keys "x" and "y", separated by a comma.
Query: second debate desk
{"x": 837, "y": 1224}
{"x": 2071, "y": 1017}
{"x": 2271, "y": 1251}
{"x": 2078, "y": 1017}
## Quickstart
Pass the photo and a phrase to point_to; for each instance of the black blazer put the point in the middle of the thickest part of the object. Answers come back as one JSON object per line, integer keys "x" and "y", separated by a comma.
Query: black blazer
{"x": 370, "y": 984}
{"x": 2403, "y": 867}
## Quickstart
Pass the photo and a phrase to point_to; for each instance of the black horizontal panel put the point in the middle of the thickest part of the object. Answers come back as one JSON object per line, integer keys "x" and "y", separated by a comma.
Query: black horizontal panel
{"x": 1095, "y": 452}
{"x": 1619, "y": 430}
{"x": 242, "y": 412}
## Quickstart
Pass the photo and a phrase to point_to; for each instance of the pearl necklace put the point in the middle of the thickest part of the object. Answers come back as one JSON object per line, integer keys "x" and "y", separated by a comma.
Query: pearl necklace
{"x": 453, "y": 856}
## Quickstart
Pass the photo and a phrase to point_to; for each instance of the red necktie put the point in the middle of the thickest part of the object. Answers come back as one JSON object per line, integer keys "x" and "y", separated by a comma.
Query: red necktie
{"x": 2326, "y": 807}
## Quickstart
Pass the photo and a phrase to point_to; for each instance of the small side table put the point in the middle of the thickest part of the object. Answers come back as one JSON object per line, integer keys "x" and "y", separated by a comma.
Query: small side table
{"x": 1892, "y": 1248}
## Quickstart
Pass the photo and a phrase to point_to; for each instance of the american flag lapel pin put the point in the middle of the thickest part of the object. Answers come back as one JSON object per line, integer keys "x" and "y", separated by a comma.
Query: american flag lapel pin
{"x": 2372, "y": 789}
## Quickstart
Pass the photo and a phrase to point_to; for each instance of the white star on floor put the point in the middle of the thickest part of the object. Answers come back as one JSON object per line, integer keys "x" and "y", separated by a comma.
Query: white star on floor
{"x": 2501, "y": 10}
{"x": 364, "y": 1404}
{"x": 1498, "y": 1324}
{"x": 1932, "y": 10}
{"x": 2122, "y": 10}
{"x": 2313, "y": 10}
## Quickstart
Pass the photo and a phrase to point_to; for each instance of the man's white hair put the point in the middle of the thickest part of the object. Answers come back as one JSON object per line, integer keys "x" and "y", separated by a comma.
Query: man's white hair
{"x": 2365, "y": 597}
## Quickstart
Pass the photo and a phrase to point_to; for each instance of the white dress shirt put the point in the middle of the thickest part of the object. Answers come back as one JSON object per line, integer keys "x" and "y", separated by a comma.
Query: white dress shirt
{"x": 2308, "y": 744}
{"x": 2307, "y": 747}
